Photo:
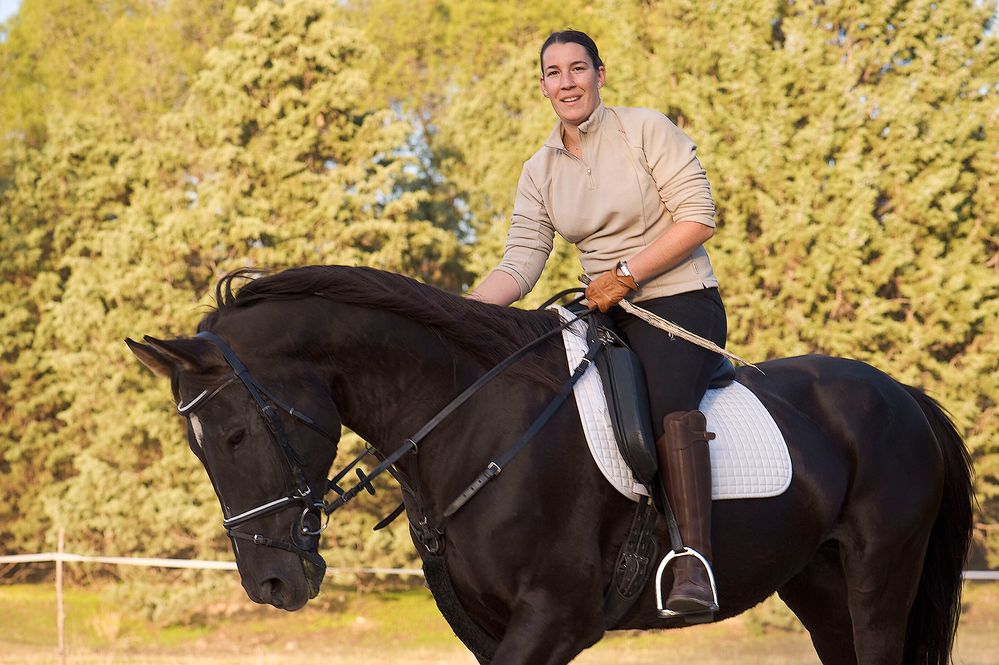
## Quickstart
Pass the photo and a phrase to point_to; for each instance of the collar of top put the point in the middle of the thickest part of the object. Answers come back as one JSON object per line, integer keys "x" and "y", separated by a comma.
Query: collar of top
{"x": 588, "y": 125}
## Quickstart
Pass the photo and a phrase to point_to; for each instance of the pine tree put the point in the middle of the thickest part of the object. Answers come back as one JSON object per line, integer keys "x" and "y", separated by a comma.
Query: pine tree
{"x": 276, "y": 159}
{"x": 851, "y": 149}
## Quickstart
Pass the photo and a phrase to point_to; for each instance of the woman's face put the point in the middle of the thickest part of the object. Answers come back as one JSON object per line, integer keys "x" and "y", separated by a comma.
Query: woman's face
{"x": 571, "y": 82}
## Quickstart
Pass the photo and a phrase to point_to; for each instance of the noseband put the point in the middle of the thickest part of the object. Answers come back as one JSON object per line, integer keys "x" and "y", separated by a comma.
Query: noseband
{"x": 301, "y": 496}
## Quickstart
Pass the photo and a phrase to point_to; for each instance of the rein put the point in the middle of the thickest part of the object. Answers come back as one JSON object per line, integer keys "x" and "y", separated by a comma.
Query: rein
{"x": 314, "y": 504}
{"x": 412, "y": 443}
{"x": 493, "y": 469}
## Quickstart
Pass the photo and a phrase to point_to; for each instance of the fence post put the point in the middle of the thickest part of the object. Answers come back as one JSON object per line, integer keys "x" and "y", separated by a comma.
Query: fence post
{"x": 60, "y": 611}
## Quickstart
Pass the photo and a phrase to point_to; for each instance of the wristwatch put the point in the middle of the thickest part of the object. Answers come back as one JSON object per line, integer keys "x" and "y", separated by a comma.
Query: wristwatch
{"x": 623, "y": 269}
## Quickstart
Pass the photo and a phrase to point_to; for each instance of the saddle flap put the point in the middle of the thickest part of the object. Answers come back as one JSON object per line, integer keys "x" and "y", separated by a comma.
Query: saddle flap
{"x": 624, "y": 386}
{"x": 749, "y": 457}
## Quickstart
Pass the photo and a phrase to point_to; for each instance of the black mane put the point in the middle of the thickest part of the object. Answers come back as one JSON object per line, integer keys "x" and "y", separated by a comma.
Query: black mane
{"x": 488, "y": 332}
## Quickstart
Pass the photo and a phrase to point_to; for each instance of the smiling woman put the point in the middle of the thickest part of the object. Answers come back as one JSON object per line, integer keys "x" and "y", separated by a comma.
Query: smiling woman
{"x": 624, "y": 185}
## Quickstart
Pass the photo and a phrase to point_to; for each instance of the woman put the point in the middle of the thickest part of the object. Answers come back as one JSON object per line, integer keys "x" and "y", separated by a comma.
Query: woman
{"x": 625, "y": 186}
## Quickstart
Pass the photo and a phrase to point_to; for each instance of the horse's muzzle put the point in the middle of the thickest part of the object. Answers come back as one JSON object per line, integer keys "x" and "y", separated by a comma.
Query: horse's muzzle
{"x": 314, "y": 567}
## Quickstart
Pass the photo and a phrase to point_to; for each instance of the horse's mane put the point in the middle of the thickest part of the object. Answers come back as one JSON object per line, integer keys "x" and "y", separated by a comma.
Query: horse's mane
{"x": 488, "y": 332}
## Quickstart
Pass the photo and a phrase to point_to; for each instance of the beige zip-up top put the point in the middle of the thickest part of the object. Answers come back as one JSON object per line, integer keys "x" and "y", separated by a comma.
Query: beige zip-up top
{"x": 637, "y": 176}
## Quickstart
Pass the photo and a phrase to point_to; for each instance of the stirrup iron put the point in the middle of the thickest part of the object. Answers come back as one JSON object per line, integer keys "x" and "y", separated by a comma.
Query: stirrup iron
{"x": 673, "y": 554}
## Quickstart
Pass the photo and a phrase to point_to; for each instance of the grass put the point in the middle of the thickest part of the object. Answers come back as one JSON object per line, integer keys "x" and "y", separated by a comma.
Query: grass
{"x": 346, "y": 627}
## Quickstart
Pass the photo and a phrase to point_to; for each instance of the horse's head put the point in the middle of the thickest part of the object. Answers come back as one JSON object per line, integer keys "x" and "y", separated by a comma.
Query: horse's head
{"x": 266, "y": 458}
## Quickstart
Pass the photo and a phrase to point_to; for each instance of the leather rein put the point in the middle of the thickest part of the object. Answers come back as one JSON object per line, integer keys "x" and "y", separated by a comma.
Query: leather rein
{"x": 313, "y": 504}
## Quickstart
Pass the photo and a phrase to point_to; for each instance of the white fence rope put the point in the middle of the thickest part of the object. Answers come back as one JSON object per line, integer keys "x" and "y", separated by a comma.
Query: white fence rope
{"x": 60, "y": 557}
{"x": 981, "y": 575}
{"x": 67, "y": 557}
{"x": 231, "y": 565}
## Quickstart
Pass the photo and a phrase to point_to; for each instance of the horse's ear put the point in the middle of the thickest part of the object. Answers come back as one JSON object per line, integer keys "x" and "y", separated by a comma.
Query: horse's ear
{"x": 151, "y": 358}
{"x": 164, "y": 357}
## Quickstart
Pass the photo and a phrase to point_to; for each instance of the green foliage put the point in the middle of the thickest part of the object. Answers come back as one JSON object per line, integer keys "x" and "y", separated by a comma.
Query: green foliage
{"x": 130, "y": 59}
{"x": 148, "y": 148}
{"x": 851, "y": 149}
{"x": 274, "y": 159}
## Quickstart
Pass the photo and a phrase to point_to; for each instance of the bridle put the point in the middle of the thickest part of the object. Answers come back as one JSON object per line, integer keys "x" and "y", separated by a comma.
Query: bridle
{"x": 302, "y": 495}
{"x": 314, "y": 505}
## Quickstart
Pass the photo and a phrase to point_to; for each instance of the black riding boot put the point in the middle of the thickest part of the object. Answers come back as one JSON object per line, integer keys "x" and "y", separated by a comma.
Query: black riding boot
{"x": 685, "y": 467}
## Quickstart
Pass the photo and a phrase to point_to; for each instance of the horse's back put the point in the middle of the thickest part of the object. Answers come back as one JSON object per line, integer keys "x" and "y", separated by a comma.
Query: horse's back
{"x": 862, "y": 449}
{"x": 889, "y": 565}
{"x": 856, "y": 439}
{"x": 852, "y": 402}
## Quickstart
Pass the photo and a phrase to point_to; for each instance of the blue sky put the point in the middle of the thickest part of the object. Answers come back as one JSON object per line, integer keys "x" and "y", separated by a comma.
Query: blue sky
{"x": 8, "y": 8}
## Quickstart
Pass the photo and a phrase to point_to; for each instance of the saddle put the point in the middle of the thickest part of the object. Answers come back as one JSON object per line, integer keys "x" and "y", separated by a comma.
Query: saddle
{"x": 624, "y": 387}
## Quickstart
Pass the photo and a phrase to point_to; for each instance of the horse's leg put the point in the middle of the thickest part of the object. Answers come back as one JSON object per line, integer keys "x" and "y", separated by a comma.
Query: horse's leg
{"x": 543, "y": 630}
{"x": 883, "y": 536}
{"x": 818, "y": 597}
{"x": 881, "y": 585}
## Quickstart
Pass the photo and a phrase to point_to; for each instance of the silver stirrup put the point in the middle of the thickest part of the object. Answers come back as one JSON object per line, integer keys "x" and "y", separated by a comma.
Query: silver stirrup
{"x": 669, "y": 614}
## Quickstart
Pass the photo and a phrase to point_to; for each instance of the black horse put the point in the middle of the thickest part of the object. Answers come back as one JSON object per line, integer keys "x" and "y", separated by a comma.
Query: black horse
{"x": 866, "y": 546}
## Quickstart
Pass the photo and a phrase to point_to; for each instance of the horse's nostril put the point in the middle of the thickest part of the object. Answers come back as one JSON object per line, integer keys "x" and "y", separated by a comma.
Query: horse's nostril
{"x": 270, "y": 590}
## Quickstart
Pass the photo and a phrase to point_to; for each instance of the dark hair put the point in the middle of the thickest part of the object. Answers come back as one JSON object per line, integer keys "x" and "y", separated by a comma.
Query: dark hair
{"x": 575, "y": 37}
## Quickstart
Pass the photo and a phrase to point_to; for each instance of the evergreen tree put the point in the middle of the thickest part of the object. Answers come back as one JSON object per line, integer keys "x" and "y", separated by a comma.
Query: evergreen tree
{"x": 276, "y": 159}
{"x": 851, "y": 148}
{"x": 132, "y": 60}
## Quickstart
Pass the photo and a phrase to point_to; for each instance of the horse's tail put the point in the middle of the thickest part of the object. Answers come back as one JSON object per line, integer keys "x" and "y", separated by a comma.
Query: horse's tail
{"x": 937, "y": 607}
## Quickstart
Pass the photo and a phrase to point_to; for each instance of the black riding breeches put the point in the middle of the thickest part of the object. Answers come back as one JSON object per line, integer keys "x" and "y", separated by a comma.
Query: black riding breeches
{"x": 677, "y": 372}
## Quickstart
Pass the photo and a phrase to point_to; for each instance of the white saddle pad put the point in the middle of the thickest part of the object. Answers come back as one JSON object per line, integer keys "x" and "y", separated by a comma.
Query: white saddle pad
{"x": 749, "y": 457}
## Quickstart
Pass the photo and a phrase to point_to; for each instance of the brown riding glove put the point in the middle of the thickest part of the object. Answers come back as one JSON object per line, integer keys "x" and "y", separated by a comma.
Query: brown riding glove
{"x": 609, "y": 288}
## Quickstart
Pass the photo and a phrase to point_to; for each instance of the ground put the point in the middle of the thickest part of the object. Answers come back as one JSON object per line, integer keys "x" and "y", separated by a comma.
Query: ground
{"x": 350, "y": 627}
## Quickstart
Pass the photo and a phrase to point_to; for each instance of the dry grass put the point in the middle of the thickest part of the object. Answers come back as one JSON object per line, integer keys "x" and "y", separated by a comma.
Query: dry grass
{"x": 395, "y": 628}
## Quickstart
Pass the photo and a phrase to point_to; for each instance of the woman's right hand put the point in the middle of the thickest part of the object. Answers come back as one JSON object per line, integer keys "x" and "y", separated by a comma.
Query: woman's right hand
{"x": 609, "y": 289}
{"x": 498, "y": 288}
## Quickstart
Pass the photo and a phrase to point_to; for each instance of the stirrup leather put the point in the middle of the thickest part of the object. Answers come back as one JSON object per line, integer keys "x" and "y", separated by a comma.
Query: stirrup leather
{"x": 672, "y": 554}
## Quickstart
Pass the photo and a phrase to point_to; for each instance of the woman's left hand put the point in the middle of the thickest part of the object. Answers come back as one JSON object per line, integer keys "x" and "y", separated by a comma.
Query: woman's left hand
{"x": 609, "y": 288}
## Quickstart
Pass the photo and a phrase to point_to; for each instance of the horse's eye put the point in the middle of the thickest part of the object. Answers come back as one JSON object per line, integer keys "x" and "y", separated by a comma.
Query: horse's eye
{"x": 236, "y": 438}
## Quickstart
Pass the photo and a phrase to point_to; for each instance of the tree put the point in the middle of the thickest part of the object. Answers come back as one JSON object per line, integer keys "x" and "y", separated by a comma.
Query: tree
{"x": 850, "y": 148}
{"x": 275, "y": 159}
{"x": 71, "y": 157}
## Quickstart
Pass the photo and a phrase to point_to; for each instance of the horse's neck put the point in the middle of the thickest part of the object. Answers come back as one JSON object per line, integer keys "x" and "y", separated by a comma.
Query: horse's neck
{"x": 392, "y": 375}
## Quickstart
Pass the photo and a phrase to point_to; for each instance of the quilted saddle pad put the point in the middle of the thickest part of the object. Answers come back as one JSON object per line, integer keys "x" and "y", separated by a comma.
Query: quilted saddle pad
{"x": 749, "y": 457}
